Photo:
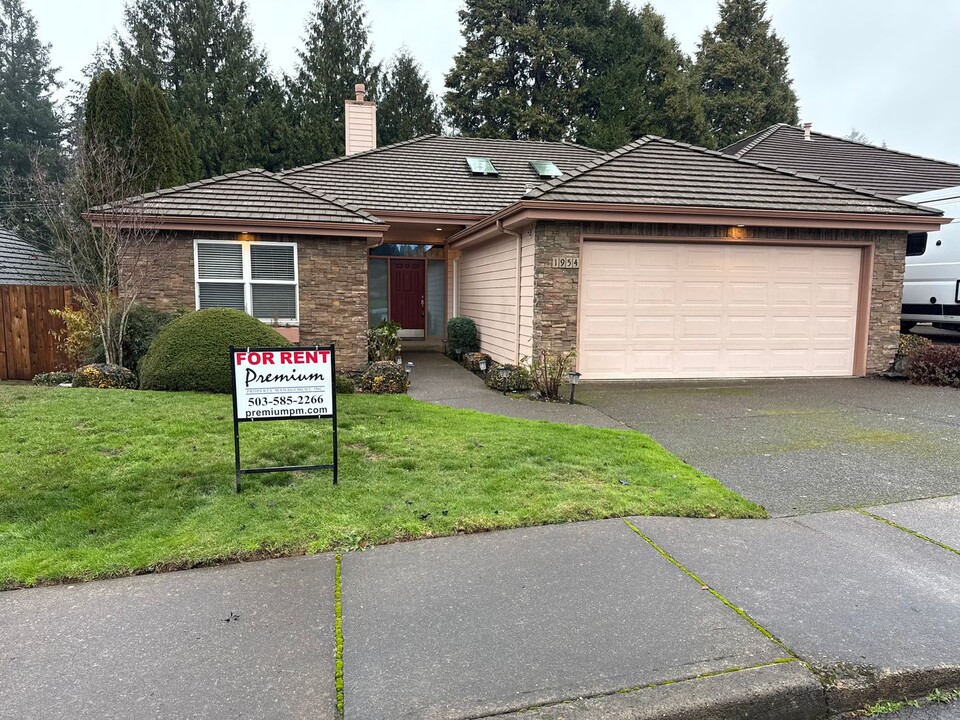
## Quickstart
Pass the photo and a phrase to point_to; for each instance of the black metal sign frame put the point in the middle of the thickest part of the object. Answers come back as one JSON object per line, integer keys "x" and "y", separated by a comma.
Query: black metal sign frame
{"x": 331, "y": 416}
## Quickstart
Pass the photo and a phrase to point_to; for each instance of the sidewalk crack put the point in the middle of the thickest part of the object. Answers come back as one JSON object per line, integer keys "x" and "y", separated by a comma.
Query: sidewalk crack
{"x": 338, "y": 633}
{"x": 898, "y": 526}
{"x": 719, "y": 596}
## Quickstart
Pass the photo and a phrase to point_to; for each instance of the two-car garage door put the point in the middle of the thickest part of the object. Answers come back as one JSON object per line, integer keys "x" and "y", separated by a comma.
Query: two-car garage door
{"x": 669, "y": 310}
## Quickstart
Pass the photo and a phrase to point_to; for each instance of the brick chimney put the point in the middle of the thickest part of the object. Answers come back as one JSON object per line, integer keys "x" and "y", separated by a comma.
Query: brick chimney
{"x": 807, "y": 127}
{"x": 360, "y": 123}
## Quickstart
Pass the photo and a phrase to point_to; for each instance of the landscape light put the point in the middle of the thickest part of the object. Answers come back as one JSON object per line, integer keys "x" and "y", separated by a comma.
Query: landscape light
{"x": 574, "y": 377}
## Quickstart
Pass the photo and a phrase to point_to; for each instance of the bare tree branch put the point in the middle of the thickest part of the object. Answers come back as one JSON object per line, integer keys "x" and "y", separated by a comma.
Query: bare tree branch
{"x": 103, "y": 246}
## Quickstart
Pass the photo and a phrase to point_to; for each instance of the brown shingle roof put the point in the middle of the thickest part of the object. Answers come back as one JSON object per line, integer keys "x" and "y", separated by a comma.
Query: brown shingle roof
{"x": 23, "y": 264}
{"x": 255, "y": 195}
{"x": 655, "y": 171}
{"x": 430, "y": 174}
{"x": 880, "y": 170}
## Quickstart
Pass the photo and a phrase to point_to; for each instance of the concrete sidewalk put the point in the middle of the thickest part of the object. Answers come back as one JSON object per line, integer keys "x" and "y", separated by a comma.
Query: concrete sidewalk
{"x": 639, "y": 618}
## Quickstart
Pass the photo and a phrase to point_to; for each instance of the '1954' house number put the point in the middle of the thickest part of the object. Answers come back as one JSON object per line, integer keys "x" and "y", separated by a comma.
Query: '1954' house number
{"x": 566, "y": 262}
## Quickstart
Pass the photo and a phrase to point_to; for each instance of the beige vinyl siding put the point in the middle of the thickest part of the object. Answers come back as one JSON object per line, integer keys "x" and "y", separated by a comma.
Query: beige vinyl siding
{"x": 526, "y": 293}
{"x": 488, "y": 295}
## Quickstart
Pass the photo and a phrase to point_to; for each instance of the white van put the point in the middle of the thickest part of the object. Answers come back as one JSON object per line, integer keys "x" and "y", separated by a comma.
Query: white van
{"x": 931, "y": 283}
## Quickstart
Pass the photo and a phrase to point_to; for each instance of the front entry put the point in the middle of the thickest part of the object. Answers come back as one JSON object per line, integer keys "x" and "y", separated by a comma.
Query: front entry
{"x": 407, "y": 296}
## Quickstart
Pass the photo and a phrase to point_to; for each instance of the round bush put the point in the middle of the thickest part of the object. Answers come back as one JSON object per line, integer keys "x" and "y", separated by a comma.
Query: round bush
{"x": 193, "y": 351}
{"x": 105, "y": 375}
{"x": 935, "y": 365}
{"x": 143, "y": 324}
{"x": 383, "y": 378}
{"x": 345, "y": 385}
{"x": 462, "y": 335}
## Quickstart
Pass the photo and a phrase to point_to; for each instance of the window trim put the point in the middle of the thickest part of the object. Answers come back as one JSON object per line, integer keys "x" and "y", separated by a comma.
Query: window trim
{"x": 247, "y": 280}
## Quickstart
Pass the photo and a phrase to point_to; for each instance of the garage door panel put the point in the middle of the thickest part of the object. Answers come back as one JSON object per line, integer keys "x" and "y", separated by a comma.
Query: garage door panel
{"x": 655, "y": 293}
{"x": 695, "y": 311}
{"x": 652, "y": 327}
{"x": 754, "y": 294}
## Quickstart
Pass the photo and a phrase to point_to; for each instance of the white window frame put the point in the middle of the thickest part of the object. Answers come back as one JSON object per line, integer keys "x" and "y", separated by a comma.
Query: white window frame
{"x": 247, "y": 281}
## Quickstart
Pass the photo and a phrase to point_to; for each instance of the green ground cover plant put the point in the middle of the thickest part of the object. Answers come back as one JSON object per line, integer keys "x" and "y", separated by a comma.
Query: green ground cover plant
{"x": 101, "y": 483}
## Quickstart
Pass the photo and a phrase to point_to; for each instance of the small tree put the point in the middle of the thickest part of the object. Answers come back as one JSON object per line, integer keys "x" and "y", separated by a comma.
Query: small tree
{"x": 104, "y": 248}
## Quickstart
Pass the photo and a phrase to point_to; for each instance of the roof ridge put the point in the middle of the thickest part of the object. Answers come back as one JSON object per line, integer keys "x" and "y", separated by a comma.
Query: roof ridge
{"x": 327, "y": 198}
{"x": 647, "y": 139}
{"x": 177, "y": 188}
{"x": 760, "y": 137}
{"x": 586, "y": 167}
{"x": 878, "y": 147}
{"x": 804, "y": 176}
{"x": 371, "y": 151}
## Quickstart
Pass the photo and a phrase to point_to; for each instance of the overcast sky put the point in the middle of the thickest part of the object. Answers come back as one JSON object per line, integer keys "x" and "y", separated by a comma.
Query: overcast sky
{"x": 887, "y": 67}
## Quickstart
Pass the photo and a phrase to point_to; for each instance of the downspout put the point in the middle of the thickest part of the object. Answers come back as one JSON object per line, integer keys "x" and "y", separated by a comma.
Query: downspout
{"x": 503, "y": 230}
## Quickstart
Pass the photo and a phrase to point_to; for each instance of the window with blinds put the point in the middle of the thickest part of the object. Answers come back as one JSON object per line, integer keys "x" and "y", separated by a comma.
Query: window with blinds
{"x": 258, "y": 278}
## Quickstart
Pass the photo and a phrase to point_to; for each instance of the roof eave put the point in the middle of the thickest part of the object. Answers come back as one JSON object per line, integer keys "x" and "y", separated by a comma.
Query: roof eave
{"x": 525, "y": 211}
{"x": 278, "y": 227}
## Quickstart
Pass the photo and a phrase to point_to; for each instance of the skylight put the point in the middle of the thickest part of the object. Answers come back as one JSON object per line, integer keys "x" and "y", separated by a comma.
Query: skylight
{"x": 545, "y": 169}
{"x": 481, "y": 166}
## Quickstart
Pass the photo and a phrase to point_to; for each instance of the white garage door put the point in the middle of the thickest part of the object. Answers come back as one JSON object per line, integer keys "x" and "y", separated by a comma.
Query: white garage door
{"x": 668, "y": 310}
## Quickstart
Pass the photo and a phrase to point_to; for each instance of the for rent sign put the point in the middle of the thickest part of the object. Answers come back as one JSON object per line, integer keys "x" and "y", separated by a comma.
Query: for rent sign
{"x": 283, "y": 383}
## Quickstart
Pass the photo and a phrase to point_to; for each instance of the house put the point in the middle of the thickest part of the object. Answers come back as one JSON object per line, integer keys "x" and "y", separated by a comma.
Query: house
{"x": 31, "y": 284}
{"x": 658, "y": 260}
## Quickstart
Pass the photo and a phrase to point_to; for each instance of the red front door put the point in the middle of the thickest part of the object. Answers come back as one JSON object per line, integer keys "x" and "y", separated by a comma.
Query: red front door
{"x": 407, "y": 293}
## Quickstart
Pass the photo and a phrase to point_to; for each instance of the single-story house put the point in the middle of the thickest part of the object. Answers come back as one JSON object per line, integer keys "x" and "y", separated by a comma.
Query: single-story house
{"x": 31, "y": 284}
{"x": 657, "y": 260}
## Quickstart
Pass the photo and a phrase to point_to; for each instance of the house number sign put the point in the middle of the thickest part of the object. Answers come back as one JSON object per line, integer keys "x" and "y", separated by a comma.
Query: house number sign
{"x": 567, "y": 262}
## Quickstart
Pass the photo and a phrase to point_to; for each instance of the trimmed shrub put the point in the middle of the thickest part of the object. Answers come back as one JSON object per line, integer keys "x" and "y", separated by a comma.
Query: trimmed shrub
{"x": 383, "y": 341}
{"x": 935, "y": 365}
{"x": 193, "y": 351}
{"x": 53, "y": 378}
{"x": 143, "y": 324}
{"x": 383, "y": 378}
{"x": 345, "y": 385}
{"x": 105, "y": 375}
{"x": 462, "y": 335}
{"x": 909, "y": 346}
{"x": 517, "y": 381}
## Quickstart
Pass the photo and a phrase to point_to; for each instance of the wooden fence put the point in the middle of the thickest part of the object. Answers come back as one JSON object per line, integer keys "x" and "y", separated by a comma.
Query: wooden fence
{"x": 27, "y": 344}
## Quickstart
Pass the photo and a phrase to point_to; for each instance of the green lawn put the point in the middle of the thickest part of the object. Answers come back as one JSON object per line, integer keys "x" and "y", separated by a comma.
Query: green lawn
{"x": 98, "y": 483}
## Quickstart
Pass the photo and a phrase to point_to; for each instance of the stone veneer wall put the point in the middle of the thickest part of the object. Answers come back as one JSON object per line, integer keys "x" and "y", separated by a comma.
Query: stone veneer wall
{"x": 333, "y": 286}
{"x": 556, "y": 289}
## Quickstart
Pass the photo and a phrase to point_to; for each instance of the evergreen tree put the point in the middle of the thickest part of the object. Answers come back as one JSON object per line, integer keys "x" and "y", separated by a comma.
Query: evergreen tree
{"x": 30, "y": 128}
{"x": 131, "y": 127}
{"x": 639, "y": 82}
{"x": 335, "y": 57}
{"x": 202, "y": 55}
{"x": 519, "y": 72}
{"x": 743, "y": 69}
{"x": 407, "y": 108}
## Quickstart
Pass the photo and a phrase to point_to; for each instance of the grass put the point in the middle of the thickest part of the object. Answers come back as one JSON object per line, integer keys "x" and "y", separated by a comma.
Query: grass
{"x": 99, "y": 483}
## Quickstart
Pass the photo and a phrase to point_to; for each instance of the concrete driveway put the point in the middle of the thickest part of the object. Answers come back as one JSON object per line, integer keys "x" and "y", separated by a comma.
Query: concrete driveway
{"x": 800, "y": 446}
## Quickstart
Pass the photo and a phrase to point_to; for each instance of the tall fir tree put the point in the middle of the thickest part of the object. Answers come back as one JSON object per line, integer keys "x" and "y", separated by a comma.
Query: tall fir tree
{"x": 743, "y": 72}
{"x": 30, "y": 127}
{"x": 638, "y": 82}
{"x": 201, "y": 53}
{"x": 131, "y": 126}
{"x": 519, "y": 72}
{"x": 407, "y": 108}
{"x": 336, "y": 55}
